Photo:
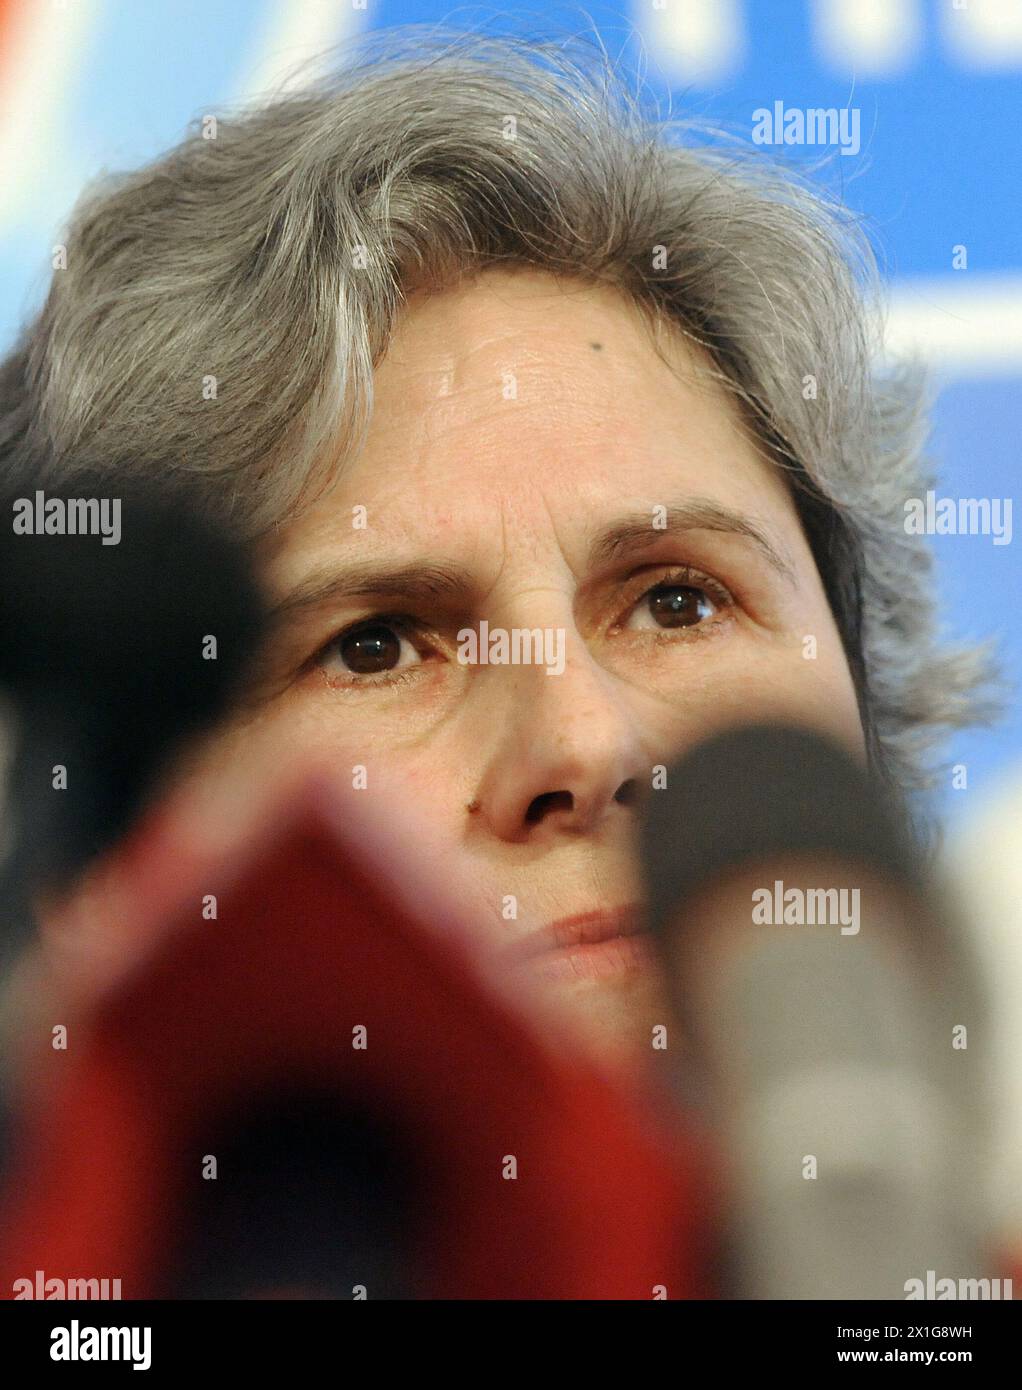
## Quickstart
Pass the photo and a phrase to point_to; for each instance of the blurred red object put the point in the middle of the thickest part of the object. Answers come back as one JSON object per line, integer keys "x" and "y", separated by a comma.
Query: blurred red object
{"x": 311, "y": 941}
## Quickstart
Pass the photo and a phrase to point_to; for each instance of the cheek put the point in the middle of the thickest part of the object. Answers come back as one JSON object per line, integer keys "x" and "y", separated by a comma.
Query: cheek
{"x": 821, "y": 679}
{"x": 367, "y": 759}
{"x": 808, "y": 683}
{"x": 791, "y": 679}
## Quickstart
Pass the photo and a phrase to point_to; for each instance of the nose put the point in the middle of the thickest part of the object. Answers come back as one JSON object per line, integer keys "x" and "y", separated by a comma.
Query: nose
{"x": 569, "y": 758}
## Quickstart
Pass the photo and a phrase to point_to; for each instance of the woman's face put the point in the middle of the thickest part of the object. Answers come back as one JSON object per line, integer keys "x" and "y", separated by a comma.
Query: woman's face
{"x": 533, "y": 464}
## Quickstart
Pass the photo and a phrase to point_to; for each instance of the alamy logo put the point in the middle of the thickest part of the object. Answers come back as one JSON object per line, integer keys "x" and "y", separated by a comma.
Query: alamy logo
{"x": 961, "y": 516}
{"x": 934, "y": 1288}
{"x": 813, "y": 907}
{"x": 77, "y": 1343}
{"x": 519, "y": 646}
{"x": 68, "y": 516}
{"x": 41, "y": 1287}
{"x": 814, "y": 125}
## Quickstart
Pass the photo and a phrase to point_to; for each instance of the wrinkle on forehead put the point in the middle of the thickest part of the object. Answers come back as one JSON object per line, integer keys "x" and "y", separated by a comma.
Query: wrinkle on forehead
{"x": 448, "y": 343}
{"x": 449, "y": 461}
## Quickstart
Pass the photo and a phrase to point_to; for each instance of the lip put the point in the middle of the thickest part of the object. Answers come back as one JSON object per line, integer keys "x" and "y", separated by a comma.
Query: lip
{"x": 603, "y": 944}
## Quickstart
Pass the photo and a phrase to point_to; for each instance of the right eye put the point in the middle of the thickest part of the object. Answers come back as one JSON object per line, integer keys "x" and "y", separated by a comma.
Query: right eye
{"x": 372, "y": 650}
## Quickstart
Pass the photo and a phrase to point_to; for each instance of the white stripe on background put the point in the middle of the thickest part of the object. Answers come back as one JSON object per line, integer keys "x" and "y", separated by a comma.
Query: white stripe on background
{"x": 296, "y": 31}
{"x": 46, "y": 51}
{"x": 699, "y": 41}
{"x": 870, "y": 38}
{"x": 985, "y": 34}
{"x": 968, "y": 323}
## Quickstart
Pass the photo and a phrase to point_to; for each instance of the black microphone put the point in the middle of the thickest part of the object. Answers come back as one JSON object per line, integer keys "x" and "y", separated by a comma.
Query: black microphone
{"x": 116, "y": 645}
{"x": 825, "y": 997}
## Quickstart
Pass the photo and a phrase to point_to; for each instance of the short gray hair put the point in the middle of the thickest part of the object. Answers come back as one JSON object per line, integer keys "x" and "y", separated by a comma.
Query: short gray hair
{"x": 276, "y": 258}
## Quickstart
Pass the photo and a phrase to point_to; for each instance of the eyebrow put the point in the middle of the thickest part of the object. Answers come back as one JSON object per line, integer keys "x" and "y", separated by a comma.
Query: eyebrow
{"x": 439, "y": 581}
{"x": 419, "y": 581}
{"x": 633, "y": 532}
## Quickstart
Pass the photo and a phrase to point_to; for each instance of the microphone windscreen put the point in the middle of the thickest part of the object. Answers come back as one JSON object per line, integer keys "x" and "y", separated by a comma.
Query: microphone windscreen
{"x": 758, "y": 791}
{"x": 822, "y": 994}
{"x": 114, "y": 648}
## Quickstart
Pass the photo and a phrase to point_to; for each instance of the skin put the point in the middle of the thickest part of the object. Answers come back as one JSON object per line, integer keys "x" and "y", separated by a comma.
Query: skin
{"x": 523, "y": 782}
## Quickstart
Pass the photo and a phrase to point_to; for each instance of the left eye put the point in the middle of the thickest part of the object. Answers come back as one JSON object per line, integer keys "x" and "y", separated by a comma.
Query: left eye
{"x": 673, "y": 605}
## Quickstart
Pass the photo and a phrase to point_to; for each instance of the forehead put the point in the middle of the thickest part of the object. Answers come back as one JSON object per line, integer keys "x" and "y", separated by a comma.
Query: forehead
{"x": 525, "y": 401}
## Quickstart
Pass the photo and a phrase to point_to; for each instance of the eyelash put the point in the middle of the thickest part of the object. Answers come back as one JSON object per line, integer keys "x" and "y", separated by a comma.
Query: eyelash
{"x": 407, "y": 626}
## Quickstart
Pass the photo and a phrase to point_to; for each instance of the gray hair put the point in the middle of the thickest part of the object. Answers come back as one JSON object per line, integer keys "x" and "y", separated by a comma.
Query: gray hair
{"x": 276, "y": 257}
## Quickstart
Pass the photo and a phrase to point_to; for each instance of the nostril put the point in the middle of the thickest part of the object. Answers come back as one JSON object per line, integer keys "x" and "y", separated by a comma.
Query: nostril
{"x": 549, "y": 801}
{"x": 628, "y": 793}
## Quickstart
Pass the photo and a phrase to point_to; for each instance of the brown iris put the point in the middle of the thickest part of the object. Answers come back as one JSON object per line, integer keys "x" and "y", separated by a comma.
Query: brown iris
{"x": 678, "y": 605}
{"x": 371, "y": 649}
